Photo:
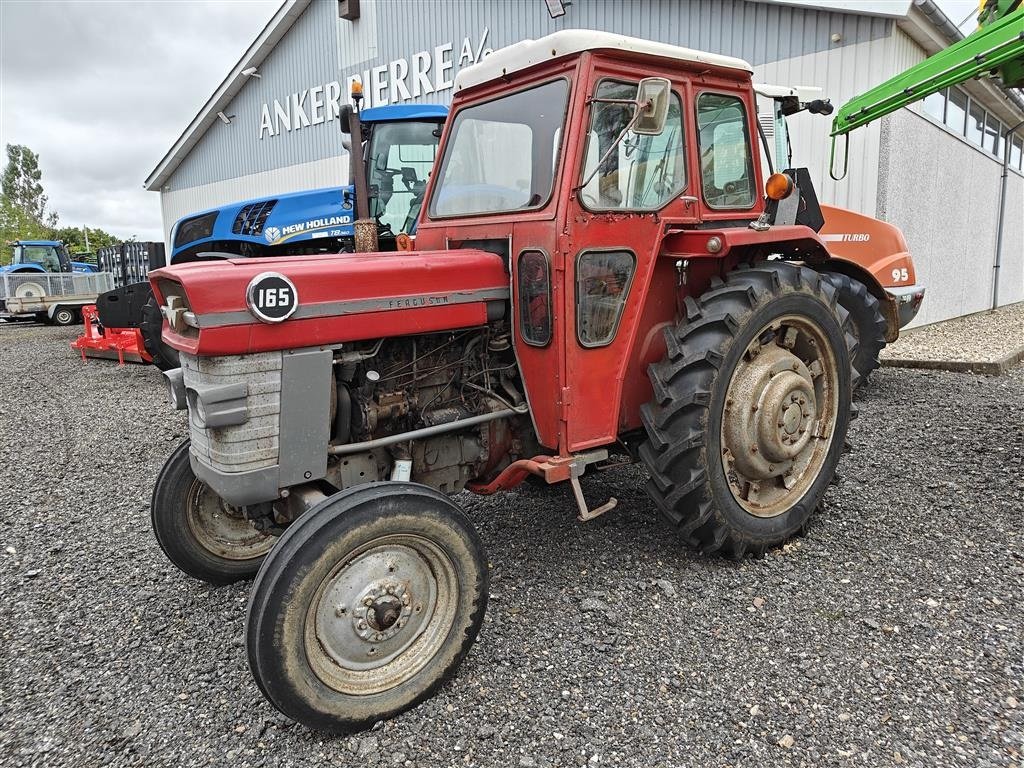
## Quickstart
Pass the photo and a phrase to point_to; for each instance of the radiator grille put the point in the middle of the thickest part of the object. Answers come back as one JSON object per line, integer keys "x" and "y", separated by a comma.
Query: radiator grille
{"x": 248, "y": 446}
{"x": 251, "y": 219}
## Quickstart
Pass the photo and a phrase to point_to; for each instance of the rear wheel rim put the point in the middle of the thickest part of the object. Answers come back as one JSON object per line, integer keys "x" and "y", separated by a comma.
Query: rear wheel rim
{"x": 220, "y": 528}
{"x": 781, "y": 411}
{"x": 380, "y": 616}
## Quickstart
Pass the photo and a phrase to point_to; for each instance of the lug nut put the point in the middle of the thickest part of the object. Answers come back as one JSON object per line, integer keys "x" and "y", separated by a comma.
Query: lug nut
{"x": 367, "y": 601}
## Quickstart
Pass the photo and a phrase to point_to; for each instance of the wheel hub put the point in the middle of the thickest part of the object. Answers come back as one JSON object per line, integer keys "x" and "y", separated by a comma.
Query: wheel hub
{"x": 778, "y": 410}
{"x": 383, "y": 611}
{"x": 375, "y": 607}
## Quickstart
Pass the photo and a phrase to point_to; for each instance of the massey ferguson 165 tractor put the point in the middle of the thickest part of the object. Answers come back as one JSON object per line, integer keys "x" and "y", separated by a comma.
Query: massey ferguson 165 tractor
{"x": 596, "y": 269}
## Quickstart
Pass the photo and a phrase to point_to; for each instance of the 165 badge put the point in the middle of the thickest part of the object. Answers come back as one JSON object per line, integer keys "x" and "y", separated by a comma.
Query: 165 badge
{"x": 271, "y": 297}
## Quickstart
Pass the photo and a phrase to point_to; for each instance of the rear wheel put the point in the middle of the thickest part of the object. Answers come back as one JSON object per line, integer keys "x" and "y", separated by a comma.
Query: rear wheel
{"x": 164, "y": 357}
{"x": 751, "y": 409}
{"x": 867, "y": 323}
{"x": 200, "y": 533}
{"x": 64, "y": 316}
{"x": 366, "y": 606}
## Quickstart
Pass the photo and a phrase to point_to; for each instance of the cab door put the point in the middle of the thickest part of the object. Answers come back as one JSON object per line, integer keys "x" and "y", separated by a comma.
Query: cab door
{"x": 630, "y": 189}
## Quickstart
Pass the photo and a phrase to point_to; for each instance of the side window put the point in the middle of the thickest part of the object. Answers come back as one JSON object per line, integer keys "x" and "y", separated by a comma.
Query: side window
{"x": 726, "y": 168}
{"x": 602, "y": 285}
{"x": 534, "y": 277}
{"x": 643, "y": 172}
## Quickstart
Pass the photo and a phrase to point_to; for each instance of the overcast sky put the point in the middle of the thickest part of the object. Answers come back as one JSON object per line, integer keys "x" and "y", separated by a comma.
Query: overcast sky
{"x": 100, "y": 90}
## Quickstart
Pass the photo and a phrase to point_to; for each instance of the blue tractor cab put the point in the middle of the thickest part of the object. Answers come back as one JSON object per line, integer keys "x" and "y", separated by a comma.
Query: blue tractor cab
{"x": 43, "y": 256}
{"x": 399, "y": 145}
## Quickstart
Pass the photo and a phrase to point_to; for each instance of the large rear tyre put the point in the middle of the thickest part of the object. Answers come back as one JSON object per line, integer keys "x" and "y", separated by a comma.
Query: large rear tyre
{"x": 750, "y": 409}
{"x": 868, "y": 324}
{"x": 367, "y": 605}
{"x": 164, "y": 357}
{"x": 200, "y": 533}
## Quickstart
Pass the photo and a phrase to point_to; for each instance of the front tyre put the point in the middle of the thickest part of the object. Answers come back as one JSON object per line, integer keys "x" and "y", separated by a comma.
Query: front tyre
{"x": 200, "y": 533}
{"x": 164, "y": 356}
{"x": 750, "y": 410}
{"x": 366, "y": 606}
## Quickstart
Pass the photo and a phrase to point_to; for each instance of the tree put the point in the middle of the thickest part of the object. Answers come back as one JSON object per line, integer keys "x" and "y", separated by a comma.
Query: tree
{"x": 75, "y": 238}
{"x": 22, "y": 184}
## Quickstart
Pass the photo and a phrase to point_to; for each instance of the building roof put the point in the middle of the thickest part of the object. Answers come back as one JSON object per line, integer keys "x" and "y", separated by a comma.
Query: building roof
{"x": 276, "y": 28}
{"x": 923, "y": 20}
{"x": 566, "y": 42}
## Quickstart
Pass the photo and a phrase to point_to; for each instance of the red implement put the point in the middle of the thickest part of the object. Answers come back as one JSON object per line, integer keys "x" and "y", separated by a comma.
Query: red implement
{"x": 111, "y": 343}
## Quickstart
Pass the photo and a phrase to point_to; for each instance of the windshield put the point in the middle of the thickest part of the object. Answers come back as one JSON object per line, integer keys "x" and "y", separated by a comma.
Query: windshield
{"x": 502, "y": 154}
{"x": 400, "y": 158}
{"x": 44, "y": 255}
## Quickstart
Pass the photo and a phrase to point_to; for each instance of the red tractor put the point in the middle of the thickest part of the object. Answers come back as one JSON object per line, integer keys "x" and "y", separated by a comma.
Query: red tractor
{"x": 596, "y": 269}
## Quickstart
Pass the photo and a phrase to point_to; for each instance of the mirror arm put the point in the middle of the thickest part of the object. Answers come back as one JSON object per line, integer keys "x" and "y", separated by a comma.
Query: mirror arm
{"x": 636, "y": 118}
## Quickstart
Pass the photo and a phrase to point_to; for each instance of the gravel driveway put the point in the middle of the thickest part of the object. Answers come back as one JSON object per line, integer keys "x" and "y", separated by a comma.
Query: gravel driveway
{"x": 893, "y": 633}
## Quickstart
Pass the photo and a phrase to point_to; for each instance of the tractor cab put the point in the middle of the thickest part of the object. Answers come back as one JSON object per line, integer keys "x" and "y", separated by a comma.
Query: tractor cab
{"x": 39, "y": 256}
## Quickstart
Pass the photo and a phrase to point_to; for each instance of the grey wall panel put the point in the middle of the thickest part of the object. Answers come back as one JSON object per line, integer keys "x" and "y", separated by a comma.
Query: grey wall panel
{"x": 942, "y": 193}
{"x": 309, "y": 56}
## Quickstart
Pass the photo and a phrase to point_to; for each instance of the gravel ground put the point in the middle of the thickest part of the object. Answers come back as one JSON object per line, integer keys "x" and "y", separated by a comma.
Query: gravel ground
{"x": 891, "y": 634}
{"x": 982, "y": 338}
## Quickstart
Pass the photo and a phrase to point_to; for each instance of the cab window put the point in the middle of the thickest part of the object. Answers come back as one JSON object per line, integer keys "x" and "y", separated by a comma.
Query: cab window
{"x": 643, "y": 172}
{"x": 726, "y": 167}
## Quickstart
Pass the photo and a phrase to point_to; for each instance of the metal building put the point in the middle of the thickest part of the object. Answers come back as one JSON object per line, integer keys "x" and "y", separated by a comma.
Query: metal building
{"x": 932, "y": 169}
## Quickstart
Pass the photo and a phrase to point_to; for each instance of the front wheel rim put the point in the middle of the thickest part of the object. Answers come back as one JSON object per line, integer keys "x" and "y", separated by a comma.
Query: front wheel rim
{"x": 220, "y": 528}
{"x": 780, "y": 415}
{"x": 381, "y": 615}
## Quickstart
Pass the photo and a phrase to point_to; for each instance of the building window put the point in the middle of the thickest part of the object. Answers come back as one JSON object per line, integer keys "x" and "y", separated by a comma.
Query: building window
{"x": 956, "y": 110}
{"x": 1016, "y": 151}
{"x": 993, "y": 132}
{"x": 935, "y": 105}
{"x": 976, "y": 125}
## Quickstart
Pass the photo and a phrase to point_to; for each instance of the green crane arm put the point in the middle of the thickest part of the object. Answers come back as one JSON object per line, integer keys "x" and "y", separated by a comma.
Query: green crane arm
{"x": 998, "y": 44}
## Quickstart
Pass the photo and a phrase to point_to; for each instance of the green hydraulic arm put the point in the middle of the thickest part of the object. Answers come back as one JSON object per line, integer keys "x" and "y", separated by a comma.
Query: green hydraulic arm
{"x": 997, "y": 45}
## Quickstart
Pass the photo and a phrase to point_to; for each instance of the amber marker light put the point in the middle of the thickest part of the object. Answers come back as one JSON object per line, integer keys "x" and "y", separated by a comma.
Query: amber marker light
{"x": 357, "y": 90}
{"x": 778, "y": 187}
{"x": 403, "y": 241}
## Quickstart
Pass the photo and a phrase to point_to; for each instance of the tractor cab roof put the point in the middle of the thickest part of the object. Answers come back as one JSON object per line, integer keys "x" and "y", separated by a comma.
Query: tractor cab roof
{"x": 396, "y": 112}
{"x": 37, "y": 242}
{"x": 572, "y": 42}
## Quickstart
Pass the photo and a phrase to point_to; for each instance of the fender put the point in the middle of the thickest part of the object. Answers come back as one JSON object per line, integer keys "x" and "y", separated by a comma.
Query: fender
{"x": 731, "y": 244}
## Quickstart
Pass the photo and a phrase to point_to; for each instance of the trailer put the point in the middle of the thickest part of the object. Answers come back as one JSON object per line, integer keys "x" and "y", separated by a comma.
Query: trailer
{"x": 50, "y": 297}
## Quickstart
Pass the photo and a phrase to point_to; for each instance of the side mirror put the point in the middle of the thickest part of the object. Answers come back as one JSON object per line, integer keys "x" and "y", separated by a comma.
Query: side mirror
{"x": 652, "y": 97}
{"x": 344, "y": 116}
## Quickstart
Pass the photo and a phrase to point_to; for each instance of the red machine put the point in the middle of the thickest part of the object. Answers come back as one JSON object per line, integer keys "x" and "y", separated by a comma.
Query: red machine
{"x": 111, "y": 343}
{"x": 598, "y": 271}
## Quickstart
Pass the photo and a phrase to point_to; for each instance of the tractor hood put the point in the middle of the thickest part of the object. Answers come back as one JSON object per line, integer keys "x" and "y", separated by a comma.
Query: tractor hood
{"x": 239, "y": 306}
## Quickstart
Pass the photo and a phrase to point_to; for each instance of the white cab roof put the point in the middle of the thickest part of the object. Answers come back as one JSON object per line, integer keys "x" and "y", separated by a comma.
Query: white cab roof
{"x": 527, "y": 53}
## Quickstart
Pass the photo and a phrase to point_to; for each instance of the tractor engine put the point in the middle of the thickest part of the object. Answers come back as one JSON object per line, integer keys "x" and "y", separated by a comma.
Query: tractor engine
{"x": 425, "y": 383}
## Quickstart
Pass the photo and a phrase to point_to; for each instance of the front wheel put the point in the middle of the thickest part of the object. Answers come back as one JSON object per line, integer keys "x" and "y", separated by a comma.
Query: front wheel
{"x": 366, "y": 606}
{"x": 750, "y": 410}
{"x": 200, "y": 533}
{"x": 165, "y": 357}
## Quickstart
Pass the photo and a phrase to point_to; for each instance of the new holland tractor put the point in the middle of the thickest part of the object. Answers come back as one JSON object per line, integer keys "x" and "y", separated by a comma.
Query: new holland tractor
{"x": 399, "y": 144}
{"x": 597, "y": 268}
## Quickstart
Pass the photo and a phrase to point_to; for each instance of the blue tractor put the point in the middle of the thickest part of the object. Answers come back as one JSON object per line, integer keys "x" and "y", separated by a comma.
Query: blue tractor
{"x": 43, "y": 256}
{"x": 399, "y": 143}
